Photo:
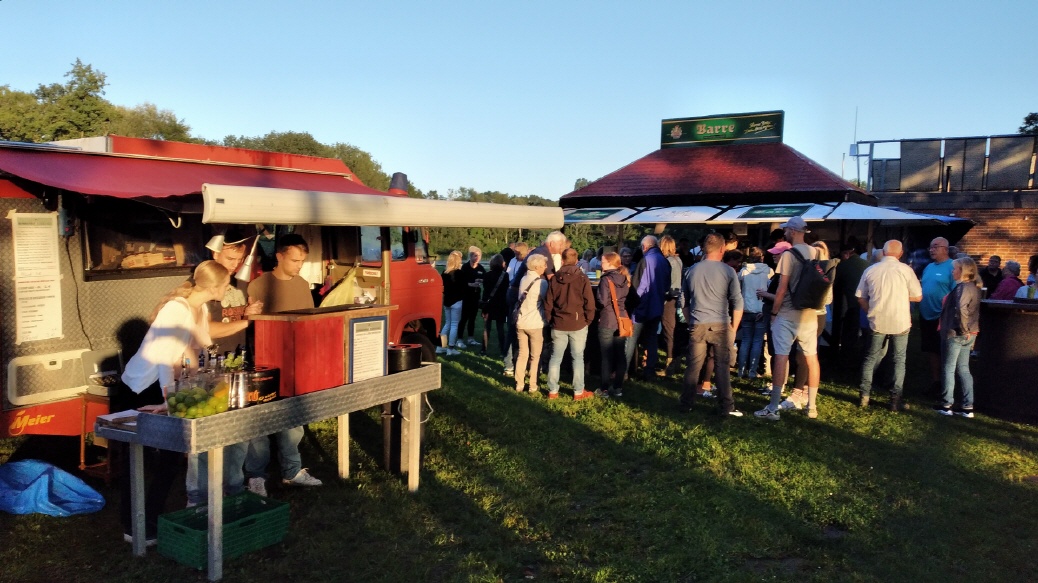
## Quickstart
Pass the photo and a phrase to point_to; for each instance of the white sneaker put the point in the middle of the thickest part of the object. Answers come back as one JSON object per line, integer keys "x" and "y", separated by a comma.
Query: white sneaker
{"x": 453, "y": 352}
{"x": 767, "y": 413}
{"x": 441, "y": 350}
{"x": 303, "y": 478}
{"x": 149, "y": 541}
{"x": 258, "y": 486}
{"x": 735, "y": 413}
{"x": 474, "y": 342}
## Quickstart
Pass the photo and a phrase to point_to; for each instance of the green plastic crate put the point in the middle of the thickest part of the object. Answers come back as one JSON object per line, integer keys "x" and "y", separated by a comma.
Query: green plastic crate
{"x": 250, "y": 523}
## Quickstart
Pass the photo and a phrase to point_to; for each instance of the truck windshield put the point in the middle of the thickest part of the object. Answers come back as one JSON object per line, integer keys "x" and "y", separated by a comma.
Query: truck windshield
{"x": 371, "y": 244}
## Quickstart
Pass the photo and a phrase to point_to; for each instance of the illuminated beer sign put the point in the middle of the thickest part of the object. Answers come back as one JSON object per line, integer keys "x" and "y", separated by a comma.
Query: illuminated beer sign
{"x": 739, "y": 128}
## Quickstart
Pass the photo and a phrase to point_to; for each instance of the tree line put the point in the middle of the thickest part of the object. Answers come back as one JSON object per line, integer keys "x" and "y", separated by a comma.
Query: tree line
{"x": 77, "y": 108}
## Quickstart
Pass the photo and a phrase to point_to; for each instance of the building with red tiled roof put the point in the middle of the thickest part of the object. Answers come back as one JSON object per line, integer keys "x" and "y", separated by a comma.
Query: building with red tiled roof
{"x": 686, "y": 172}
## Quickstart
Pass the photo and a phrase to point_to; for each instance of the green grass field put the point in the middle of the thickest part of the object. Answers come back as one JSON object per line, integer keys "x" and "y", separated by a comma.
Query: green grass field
{"x": 517, "y": 488}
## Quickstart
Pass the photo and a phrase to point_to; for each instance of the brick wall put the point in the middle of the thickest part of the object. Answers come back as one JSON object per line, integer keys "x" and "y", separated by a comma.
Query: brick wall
{"x": 1008, "y": 233}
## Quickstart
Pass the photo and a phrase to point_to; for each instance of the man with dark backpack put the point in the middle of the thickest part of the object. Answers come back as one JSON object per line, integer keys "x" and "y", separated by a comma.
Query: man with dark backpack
{"x": 790, "y": 323}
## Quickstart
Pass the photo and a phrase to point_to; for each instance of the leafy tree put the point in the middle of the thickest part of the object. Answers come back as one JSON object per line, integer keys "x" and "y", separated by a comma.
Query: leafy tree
{"x": 364, "y": 166}
{"x": 148, "y": 121}
{"x": 287, "y": 142}
{"x": 75, "y": 109}
{"x": 360, "y": 162}
{"x": 1030, "y": 125}
{"x": 581, "y": 183}
{"x": 19, "y": 115}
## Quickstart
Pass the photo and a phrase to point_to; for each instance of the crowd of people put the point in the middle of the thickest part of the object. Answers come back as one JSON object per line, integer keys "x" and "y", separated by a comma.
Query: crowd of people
{"x": 727, "y": 309}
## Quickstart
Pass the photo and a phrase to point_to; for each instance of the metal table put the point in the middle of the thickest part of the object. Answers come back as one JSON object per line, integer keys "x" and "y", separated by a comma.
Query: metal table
{"x": 211, "y": 434}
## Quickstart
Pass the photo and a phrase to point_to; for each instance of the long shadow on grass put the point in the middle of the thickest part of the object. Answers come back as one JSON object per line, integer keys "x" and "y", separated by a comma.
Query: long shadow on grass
{"x": 920, "y": 495}
{"x": 626, "y": 502}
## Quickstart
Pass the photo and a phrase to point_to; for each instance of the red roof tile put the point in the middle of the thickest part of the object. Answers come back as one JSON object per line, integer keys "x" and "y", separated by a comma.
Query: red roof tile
{"x": 717, "y": 175}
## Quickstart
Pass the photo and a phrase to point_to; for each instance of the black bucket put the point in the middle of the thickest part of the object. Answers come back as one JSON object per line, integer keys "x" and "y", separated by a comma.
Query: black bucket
{"x": 404, "y": 357}
{"x": 265, "y": 381}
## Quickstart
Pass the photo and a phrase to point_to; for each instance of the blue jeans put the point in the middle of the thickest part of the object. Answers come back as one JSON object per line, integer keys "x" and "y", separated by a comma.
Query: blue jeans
{"x": 751, "y": 340}
{"x": 577, "y": 341}
{"x": 197, "y": 482}
{"x": 452, "y": 316}
{"x": 650, "y": 328}
{"x": 876, "y": 346}
{"x": 955, "y": 353}
{"x": 258, "y": 457}
{"x": 613, "y": 351}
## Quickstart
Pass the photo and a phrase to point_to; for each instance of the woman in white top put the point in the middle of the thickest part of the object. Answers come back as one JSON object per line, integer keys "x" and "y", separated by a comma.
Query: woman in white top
{"x": 754, "y": 276}
{"x": 179, "y": 329}
{"x": 521, "y": 249}
{"x": 529, "y": 324}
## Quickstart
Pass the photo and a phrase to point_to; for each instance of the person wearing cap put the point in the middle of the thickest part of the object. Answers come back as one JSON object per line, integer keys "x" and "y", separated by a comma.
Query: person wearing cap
{"x": 789, "y": 325}
{"x": 229, "y": 315}
{"x": 229, "y": 320}
{"x": 767, "y": 297}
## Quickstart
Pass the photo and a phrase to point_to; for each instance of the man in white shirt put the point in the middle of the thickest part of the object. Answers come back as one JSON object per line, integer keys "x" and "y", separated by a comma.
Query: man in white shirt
{"x": 884, "y": 293}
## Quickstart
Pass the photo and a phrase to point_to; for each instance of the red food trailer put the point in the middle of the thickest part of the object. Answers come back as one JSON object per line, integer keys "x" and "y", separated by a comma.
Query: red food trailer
{"x": 97, "y": 230}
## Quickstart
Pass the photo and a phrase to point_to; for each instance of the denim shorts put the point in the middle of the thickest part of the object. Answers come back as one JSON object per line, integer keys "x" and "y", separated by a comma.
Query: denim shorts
{"x": 784, "y": 332}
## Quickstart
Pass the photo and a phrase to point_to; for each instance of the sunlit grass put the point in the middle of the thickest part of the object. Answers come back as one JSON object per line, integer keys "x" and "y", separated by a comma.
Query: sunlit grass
{"x": 516, "y": 487}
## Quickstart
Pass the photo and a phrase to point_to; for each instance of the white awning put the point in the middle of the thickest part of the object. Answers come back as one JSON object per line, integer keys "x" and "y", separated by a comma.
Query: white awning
{"x": 754, "y": 214}
{"x": 598, "y": 216}
{"x": 771, "y": 213}
{"x": 252, "y": 204}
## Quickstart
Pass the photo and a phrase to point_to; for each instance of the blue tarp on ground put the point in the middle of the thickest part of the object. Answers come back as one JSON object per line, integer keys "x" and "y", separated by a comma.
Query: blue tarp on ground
{"x": 33, "y": 486}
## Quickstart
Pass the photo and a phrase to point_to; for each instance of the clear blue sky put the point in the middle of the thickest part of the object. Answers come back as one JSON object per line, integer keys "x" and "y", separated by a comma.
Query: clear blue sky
{"x": 526, "y": 97}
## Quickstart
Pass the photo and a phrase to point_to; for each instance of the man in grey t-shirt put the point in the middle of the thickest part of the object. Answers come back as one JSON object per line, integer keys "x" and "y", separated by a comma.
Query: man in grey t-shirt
{"x": 712, "y": 290}
{"x": 791, "y": 326}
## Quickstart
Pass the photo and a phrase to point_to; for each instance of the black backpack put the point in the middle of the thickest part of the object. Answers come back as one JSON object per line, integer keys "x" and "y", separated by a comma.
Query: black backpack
{"x": 816, "y": 280}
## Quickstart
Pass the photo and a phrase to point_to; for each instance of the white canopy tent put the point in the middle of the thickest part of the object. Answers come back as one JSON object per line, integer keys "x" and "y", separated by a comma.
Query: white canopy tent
{"x": 753, "y": 214}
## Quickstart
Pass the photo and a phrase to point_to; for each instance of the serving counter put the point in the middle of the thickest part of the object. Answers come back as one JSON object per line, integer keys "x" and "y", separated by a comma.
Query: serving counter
{"x": 211, "y": 434}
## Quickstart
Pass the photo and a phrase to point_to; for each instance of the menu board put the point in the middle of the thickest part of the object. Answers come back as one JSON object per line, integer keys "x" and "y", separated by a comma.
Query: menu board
{"x": 37, "y": 276}
{"x": 368, "y": 346}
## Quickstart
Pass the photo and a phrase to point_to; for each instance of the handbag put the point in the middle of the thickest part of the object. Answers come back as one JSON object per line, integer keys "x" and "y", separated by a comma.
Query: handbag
{"x": 484, "y": 303}
{"x": 519, "y": 304}
{"x": 625, "y": 327}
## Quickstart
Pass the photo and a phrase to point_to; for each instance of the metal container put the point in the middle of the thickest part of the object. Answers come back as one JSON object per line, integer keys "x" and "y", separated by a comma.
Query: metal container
{"x": 241, "y": 386}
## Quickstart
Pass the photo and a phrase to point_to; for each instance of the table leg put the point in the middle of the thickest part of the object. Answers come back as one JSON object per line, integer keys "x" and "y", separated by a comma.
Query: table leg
{"x": 414, "y": 441}
{"x": 215, "y": 513}
{"x": 344, "y": 446}
{"x": 137, "y": 527}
